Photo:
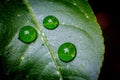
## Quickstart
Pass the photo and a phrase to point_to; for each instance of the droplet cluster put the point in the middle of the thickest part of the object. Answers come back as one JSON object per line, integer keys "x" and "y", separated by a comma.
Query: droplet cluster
{"x": 66, "y": 52}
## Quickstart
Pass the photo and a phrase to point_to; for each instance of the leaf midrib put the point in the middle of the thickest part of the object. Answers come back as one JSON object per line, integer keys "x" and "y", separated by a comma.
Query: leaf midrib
{"x": 43, "y": 37}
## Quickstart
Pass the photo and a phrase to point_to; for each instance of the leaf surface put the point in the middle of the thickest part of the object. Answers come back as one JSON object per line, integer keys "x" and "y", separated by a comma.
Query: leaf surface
{"x": 39, "y": 60}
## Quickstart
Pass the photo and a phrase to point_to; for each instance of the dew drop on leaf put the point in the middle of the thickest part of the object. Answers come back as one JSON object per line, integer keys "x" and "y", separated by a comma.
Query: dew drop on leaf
{"x": 50, "y": 22}
{"x": 67, "y": 52}
{"x": 27, "y": 34}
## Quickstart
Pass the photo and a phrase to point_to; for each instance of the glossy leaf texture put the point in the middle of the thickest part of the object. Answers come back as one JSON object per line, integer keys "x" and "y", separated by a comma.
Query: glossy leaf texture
{"x": 39, "y": 60}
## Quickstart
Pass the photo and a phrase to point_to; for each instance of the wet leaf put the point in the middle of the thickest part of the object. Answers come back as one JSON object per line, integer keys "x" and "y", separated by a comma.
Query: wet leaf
{"x": 39, "y": 60}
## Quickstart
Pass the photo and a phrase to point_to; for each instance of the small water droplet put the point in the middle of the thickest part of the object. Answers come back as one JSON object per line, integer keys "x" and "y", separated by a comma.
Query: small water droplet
{"x": 58, "y": 73}
{"x": 68, "y": 66}
{"x": 63, "y": 23}
{"x": 22, "y": 58}
{"x": 18, "y": 15}
{"x": 50, "y": 22}
{"x": 67, "y": 52}
{"x": 27, "y": 34}
{"x": 27, "y": 76}
{"x": 86, "y": 16}
{"x": 75, "y": 3}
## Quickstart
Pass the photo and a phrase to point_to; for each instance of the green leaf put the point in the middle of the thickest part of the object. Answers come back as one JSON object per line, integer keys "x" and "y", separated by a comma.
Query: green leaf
{"x": 39, "y": 60}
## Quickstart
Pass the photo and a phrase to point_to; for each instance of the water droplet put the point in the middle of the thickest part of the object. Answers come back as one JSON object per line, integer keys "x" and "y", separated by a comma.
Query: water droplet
{"x": 27, "y": 34}
{"x": 67, "y": 52}
{"x": 27, "y": 76}
{"x": 63, "y": 23}
{"x": 58, "y": 73}
{"x": 50, "y": 22}
{"x": 18, "y": 15}
{"x": 22, "y": 58}
{"x": 86, "y": 16}
{"x": 74, "y": 3}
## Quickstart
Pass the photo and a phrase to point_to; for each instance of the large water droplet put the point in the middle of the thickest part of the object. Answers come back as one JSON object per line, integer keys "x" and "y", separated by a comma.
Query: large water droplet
{"x": 50, "y": 22}
{"x": 27, "y": 34}
{"x": 67, "y": 52}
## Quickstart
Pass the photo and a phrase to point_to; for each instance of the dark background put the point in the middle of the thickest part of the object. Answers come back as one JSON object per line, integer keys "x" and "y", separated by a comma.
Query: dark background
{"x": 107, "y": 13}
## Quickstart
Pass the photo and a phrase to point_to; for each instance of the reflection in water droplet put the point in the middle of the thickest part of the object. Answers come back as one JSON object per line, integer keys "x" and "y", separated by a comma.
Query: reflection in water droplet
{"x": 27, "y": 34}
{"x": 67, "y": 52}
{"x": 50, "y": 22}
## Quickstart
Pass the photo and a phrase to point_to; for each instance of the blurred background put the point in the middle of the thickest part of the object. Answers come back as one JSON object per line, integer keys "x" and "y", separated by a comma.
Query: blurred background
{"x": 107, "y": 13}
